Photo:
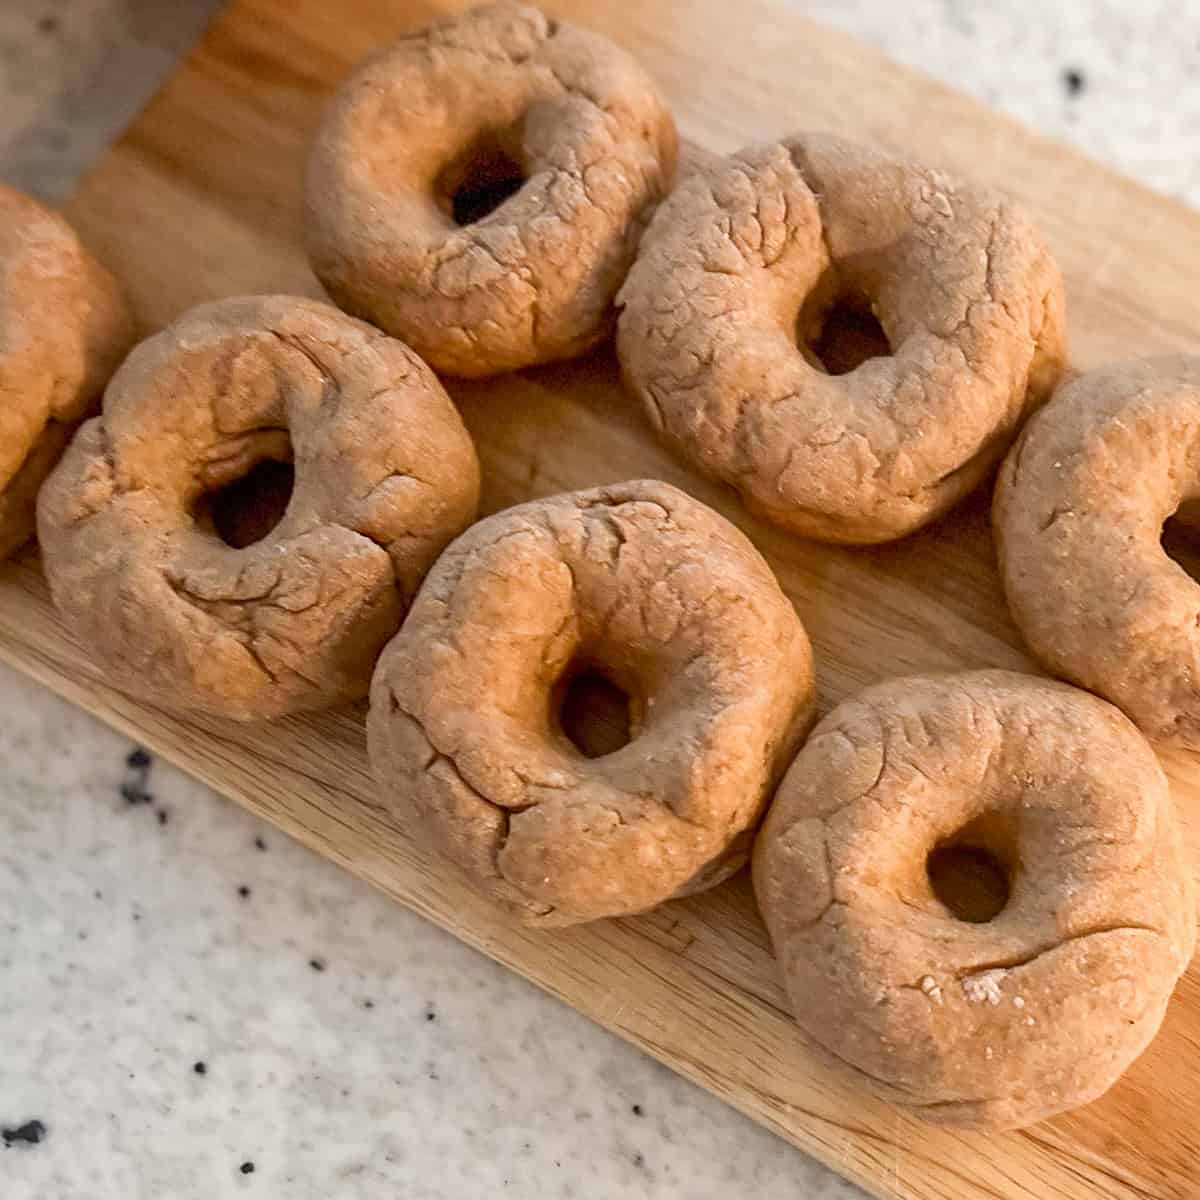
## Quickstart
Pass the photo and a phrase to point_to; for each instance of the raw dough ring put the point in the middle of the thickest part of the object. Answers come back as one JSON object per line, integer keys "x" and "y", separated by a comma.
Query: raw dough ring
{"x": 670, "y": 601}
{"x": 63, "y": 329}
{"x": 499, "y": 90}
{"x": 1036, "y": 1011}
{"x": 742, "y": 262}
{"x": 385, "y": 476}
{"x": 1078, "y": 519}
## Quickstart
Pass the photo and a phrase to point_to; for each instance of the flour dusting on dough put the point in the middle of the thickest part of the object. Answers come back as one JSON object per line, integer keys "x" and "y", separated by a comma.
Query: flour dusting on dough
{"x": 984, "y": 988}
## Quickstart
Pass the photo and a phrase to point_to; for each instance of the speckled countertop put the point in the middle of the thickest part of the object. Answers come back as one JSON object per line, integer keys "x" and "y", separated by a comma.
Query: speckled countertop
{"x": 191, "y": 1006}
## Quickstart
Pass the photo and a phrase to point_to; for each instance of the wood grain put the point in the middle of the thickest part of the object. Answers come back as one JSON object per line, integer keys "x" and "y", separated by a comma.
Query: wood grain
{"x": 201, "y": 199}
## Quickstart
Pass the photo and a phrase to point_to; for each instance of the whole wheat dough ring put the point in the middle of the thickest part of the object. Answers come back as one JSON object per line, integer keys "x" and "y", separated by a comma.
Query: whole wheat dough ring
{"x": 668, "y": 600}
{"x": 1078, "y": 519}
{"x": 499, "y": 98}
{"x": 1042, "y": 1007}
{"x": 385, "y": 476}
{"x": 738, "y": 272}
{"x": 63, "y": 329}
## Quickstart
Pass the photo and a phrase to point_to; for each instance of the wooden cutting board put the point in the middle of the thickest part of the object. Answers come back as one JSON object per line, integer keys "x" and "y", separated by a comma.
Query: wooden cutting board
{"x": 201, "y": 199}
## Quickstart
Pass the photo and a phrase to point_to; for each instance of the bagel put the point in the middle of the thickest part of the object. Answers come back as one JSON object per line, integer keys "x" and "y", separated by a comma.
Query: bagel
{"x": 64, "y": 327}
{"x": 385, "y": 476}
{"x": 649, "y": 588}
{"x": 978, "y": 1018}
{"x": 738, "y": 273}
{"x": 428, "y": 134}
{"x": 1078, "y": 518}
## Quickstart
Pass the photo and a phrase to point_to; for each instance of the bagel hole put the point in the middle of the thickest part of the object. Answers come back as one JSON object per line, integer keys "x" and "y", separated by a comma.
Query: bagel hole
{"x": 1181, "y": 538}
{"x": 971, "y": 872}
{"x": 245, "y": 510}
{"x": 479, "y": 181}
{"x": 594, "y": 713}
{"x": 837, "y": 330}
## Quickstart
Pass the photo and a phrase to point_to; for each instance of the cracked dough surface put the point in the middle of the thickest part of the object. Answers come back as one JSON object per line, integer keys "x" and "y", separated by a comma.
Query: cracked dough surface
{"x": 671, "y": 602}
{"x": 533, "y": 281}
{"x": 1078, "y": 518}
{"x": 385, "y": 476}
{"x": 1040, "y": 1009}
{"x": 63, "y": 329}
{"x": 733, "y": 278}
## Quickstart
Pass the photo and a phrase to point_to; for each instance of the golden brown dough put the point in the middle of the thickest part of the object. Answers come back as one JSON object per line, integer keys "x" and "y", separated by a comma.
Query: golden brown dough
{"x": 1038, "y": 1010}
{"x": 64, "y": 328}
{"x": 737, "y": 272}
{"x": 1078, "y": 518}
{"x": 666, "y": 598}
{"x": 493, "y": 97}
{"x": 385, "y": 476}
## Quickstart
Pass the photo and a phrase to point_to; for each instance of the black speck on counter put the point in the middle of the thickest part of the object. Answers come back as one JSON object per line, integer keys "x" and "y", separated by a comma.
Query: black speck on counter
{"x": 368, "y": 1004}
{"x": 244, "y": 892}
{"x": 29, "y": 1134}
{"x": 317, "y": 964}
{"x": 259, "y": 844}
{"x": 430, "y": 1014}
{"x": 1074, "y": 81}
{"x": 637, "y": 1110}
{"x": 134, "y": 787}
{"x": 201, "y": 1068}
{"x": 163, "y": 816}
{"x": 132, "y": 792}
{"x": 639, "y": 1160}
{"x": 247, "y": 1168}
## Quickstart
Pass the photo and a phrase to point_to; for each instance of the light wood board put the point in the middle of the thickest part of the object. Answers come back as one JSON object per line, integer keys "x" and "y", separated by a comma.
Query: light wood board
{"x": 201, "y": 199}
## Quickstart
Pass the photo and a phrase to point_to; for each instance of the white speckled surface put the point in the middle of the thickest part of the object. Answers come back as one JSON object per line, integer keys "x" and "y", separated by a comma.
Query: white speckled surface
{"x": 408, "y": 1066}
